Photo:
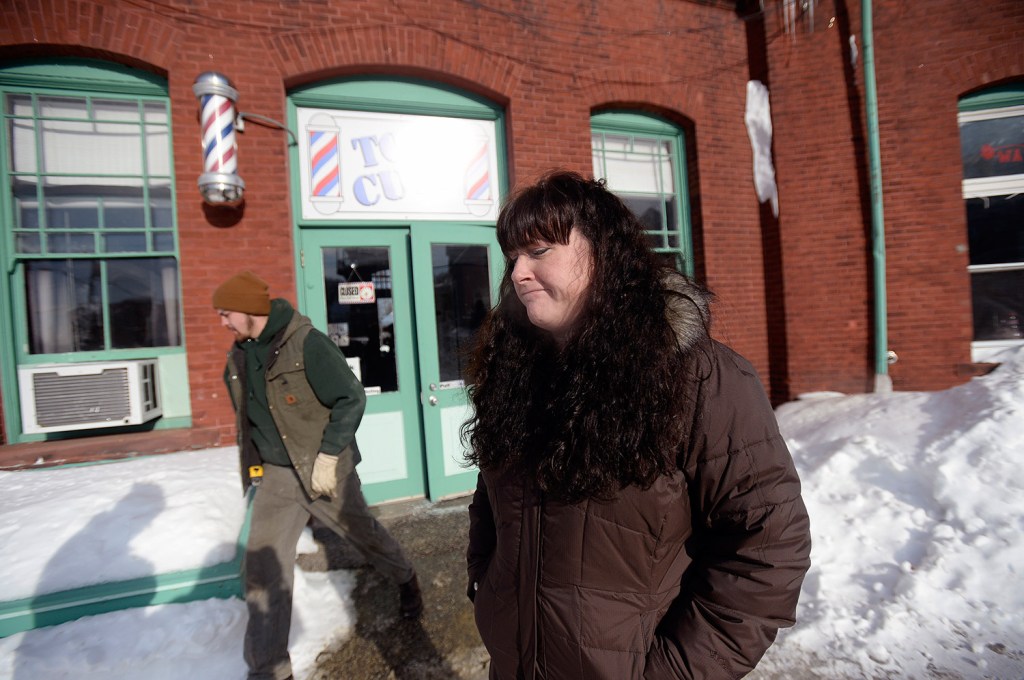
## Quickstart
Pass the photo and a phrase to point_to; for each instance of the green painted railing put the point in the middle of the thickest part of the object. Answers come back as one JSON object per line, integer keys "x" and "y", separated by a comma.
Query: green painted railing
{"x": 220, "y": 581}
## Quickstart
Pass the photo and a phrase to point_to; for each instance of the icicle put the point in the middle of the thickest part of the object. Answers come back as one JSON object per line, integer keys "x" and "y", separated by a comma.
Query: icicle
{"x": 789, "y": 16}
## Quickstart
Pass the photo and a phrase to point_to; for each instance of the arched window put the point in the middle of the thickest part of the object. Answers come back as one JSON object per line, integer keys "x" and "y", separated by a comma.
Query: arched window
{"x": 89, "y": 208}
{"x": 992, "y": 153}
{"x": 643, "y": 159}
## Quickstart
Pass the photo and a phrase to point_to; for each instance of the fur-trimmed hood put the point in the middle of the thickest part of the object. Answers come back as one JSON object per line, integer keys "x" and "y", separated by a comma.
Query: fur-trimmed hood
{"x": 687, "y": 308}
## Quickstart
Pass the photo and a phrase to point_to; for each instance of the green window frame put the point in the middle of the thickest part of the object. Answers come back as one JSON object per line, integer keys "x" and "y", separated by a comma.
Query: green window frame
{"x": 643, "y": 159}
{"x": 992, "y": 155}
{"x": 89, "y": 218}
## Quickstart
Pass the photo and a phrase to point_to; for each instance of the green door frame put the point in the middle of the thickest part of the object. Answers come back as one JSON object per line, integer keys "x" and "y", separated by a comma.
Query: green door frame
{"x": 431, "y": 412}
{"x": 445, "y": 408}
{"x": 400, "y": 95}
{"x": 403, "y": 442}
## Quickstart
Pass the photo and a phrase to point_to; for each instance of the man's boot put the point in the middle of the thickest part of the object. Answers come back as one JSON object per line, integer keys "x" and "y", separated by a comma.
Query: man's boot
{"x": 410, "y": 599}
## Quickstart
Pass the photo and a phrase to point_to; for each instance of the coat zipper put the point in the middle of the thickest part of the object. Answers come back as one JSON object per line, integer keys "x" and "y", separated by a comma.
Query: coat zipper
{"x": 536, "y": 584}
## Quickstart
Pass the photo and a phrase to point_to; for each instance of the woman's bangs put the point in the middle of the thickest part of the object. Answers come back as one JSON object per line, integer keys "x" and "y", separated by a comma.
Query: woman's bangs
{"x": 529, "y": 218}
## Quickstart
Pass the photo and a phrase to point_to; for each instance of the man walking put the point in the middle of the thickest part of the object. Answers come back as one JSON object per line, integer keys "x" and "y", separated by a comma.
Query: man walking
{"x": 298, "y": 406}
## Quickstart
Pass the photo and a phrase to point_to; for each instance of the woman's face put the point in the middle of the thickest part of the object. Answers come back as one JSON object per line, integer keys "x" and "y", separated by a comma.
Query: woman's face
{"x": 551, "y": 281}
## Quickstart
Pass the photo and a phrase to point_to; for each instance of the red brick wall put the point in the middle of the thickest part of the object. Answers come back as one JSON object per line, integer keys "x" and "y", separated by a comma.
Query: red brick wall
{"x": 927, "y": 55}
{"x": 549, "y": 64}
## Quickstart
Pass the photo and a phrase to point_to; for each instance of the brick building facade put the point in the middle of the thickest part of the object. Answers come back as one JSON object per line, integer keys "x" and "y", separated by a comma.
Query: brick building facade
{"x": 794, "y": 292}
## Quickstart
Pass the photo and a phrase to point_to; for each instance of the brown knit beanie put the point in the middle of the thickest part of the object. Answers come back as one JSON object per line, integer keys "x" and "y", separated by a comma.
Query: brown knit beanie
{"x": 245, "y": 292}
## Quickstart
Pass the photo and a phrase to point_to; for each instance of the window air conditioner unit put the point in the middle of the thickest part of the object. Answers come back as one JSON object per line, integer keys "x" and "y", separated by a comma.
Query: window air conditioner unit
{"x": 64, "y": 397}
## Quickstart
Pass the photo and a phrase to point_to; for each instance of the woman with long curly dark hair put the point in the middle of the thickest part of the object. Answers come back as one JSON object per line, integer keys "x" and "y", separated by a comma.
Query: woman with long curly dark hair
{"x": 637, "y": 513}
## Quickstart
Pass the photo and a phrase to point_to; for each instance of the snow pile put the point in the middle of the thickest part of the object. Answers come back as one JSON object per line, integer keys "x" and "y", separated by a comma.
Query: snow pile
{"x": 76, "y": 526}
{"x": 63, "y": 528}
{"x": 917, "y": 516}
{"x": 199, "y": 640}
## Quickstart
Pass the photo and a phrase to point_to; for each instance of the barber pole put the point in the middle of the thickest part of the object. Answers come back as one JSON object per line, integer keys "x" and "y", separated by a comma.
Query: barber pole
{"x": 219, "y": 183}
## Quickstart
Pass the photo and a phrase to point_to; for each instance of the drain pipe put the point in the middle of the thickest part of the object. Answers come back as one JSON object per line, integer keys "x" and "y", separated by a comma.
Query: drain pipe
{"x": 883, "y": 383}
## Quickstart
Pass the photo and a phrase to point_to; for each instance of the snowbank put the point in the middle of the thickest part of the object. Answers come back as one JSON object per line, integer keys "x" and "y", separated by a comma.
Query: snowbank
{"x": 917, "y": 517}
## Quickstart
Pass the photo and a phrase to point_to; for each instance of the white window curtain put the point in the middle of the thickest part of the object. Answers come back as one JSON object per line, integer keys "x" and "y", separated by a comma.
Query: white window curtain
{"x": 53, "y": 311}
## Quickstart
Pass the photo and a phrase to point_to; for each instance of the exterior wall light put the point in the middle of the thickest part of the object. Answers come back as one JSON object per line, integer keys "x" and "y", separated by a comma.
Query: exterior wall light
{"x": 219, "y": 184}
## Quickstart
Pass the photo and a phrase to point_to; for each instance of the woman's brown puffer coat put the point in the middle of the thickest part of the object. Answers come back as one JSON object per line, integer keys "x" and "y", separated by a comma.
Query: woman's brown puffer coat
{"x": 690, "y": 578}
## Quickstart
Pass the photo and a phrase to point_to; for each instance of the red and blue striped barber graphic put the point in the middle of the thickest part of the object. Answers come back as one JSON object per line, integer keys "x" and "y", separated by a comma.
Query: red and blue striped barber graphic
{"x": 478, "y": 175}
{"x": 323, "y": 149}
{"x": 324, "y": 163}
{"x": 477, "y": 180}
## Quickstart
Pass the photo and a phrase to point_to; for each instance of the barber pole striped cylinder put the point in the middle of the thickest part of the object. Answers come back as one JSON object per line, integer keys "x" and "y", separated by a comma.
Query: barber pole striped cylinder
{"x": 219, "y": 183}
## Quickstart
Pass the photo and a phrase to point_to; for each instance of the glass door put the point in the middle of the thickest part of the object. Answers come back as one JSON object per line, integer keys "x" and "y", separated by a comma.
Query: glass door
{"x": 357, "y": 289}
{"x": 456, "y": 271}
{"x": 403, "y": 305}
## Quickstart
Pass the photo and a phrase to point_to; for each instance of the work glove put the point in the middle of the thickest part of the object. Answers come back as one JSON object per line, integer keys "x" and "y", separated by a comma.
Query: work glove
{"x": 325, "y": 475}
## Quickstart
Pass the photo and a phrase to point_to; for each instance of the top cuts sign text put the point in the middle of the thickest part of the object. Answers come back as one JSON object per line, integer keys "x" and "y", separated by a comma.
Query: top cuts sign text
{"x": 358, "y": 165}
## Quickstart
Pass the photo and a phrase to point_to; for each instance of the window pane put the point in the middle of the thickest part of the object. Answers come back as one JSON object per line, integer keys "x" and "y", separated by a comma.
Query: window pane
{"x": 668, "y": 177}
{"x": 648, "y": 210}
{"x": 81, "y": 203}
{"x": 994, "y": 147}
{"x": 27, "y": 243}
{"x": 63, "y": 302}
{"x": 462, "y": 296}
{"x": 18, "y": 104}
{"x": 26, "y": 205}
{"x": 670, "y": 216}
{"x": 616, "y": 143}
{"x": 627, "y": 172}
{"x": 995, "y": 227}
{"x": 115, "y": 109}
{"x": 365, "y": 331}
{"x": 62, "y": 107}
{"x": 72, "y": 213}
{"x": 130, "y": 242}
{"x": 163, "y": 241}
{"x": 161, "y": 213}
{"x": 998, "y": 299}
{"x": 143, "y": 299}
{"x": 123, "y": 214}
{"x": 155, "y": 112}
{"x": 70, "y": 242}
{"x": 158, "y": 151}
{"x": 73, "y": 147}
{"x": 637, "y": 164}
{"x": 22, "y": 134}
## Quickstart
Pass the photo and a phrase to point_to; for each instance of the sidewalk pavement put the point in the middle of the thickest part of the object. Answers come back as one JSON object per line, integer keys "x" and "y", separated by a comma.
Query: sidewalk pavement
{"x": 444, "y": 643}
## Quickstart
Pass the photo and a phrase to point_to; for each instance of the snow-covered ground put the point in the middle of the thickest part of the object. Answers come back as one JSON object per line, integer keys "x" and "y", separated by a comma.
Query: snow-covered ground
{"x": 917, "y": 516}
{"x": 77, "y": 526}
{"x": 916, "y": 502}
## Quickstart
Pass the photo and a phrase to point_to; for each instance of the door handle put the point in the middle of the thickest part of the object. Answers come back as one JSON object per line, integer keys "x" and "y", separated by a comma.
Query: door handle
{"x": 432, "y": 400}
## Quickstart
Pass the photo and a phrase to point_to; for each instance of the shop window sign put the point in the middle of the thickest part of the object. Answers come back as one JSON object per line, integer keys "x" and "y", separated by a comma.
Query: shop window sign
{"x": 992, "y": 153}
{"x": 356, "y": 165}
{"x": 992, "y": 147}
